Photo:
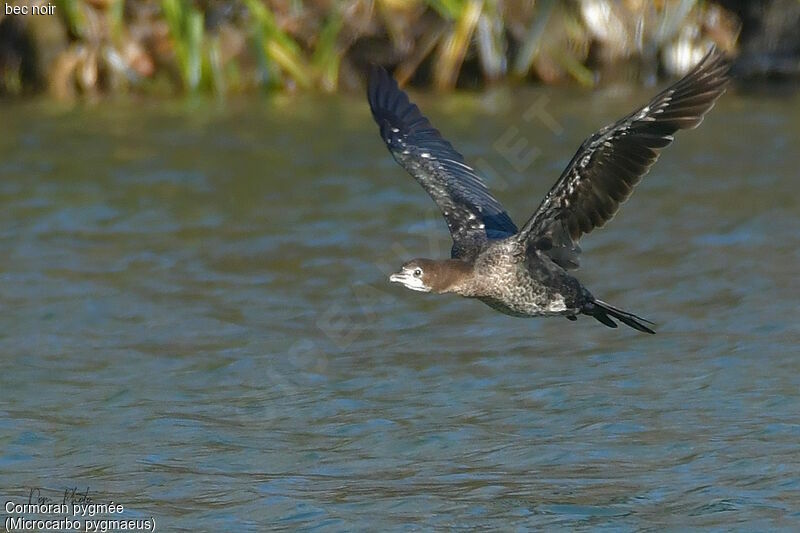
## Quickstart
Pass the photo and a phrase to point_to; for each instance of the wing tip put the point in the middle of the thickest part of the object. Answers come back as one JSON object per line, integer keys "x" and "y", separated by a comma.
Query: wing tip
{"x": 712, "y": 69}
{"x": 377, "y": 81}
{"x": 388, "y": 102}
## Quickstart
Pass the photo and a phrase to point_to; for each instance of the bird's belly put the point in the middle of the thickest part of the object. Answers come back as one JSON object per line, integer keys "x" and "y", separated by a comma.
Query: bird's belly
{"x": 503, "y": 307}
{"x": 527, "y": 289}
{"x": 531, "y": 307}
{"x": 527, "y": 301}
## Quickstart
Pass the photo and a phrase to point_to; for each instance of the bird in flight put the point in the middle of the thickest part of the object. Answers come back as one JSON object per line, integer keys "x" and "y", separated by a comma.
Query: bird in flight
{"x": 528, "y": 272}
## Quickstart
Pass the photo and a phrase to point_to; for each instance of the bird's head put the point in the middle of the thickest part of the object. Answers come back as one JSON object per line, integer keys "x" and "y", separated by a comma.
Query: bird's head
{"x": 415, "y": 275}
{"x": 427, "y": 275}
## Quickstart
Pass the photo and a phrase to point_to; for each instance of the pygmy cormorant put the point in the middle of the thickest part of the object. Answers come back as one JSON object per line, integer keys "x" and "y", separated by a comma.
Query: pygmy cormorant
{"x": 526, "y": 272}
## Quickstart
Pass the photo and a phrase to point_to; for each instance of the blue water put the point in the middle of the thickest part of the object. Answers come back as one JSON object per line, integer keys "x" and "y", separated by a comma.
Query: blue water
{"x": 197, "y": 324}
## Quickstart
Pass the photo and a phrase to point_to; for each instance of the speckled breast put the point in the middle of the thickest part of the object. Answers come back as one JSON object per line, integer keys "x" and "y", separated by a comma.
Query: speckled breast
{"x": 526, "y": 287}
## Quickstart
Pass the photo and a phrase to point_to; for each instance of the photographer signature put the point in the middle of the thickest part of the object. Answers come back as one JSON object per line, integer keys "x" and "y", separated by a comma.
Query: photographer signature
{"x": 71, "y": 496}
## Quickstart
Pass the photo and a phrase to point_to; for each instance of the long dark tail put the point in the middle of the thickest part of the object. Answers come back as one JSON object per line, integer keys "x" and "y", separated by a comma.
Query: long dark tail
{"x": 603, "y": 313}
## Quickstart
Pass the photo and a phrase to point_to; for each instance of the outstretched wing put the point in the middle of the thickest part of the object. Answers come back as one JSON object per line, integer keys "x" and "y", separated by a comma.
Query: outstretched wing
{"x": 608, "y": 165}
{"x": 472, "y": 214}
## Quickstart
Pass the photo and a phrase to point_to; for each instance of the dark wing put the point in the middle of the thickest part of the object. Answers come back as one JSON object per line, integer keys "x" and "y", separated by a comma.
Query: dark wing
{"x": 472, "y": 213}
{"x": 611, "y": 162}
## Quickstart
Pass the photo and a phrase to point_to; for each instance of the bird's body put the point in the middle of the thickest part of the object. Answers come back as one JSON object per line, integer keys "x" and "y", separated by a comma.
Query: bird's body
{"x": 526, "y": 272}
{"x": 519, "y": 282}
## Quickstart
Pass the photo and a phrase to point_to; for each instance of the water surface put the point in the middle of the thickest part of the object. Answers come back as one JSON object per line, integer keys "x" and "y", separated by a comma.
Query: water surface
{"x": 197, "y": 323}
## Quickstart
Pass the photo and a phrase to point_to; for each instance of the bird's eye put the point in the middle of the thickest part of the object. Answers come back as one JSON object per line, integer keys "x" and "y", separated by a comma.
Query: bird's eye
{"x": 417, "y": 272}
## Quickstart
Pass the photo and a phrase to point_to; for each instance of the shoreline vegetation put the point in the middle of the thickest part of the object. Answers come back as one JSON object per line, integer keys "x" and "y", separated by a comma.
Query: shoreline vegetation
{"x": 93, "y": 48}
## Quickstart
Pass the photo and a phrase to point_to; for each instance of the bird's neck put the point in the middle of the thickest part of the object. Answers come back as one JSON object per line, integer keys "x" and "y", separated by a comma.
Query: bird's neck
{"x": 453, "y": 275}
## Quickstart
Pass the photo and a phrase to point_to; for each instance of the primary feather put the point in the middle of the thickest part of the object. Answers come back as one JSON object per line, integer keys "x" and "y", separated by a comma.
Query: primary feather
{"x": 608, "y": 165}
{"x": 472, "y": 214}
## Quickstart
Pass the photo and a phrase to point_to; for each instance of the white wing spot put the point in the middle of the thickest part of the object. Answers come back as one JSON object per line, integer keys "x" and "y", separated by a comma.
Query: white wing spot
{"x": 425, "y": 155}
{"x": 557, "y": 305}
{"x": 395, "y": 130}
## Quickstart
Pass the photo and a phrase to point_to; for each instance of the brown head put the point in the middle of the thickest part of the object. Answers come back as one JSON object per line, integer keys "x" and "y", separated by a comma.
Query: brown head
{"x": 428, "y": 275}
